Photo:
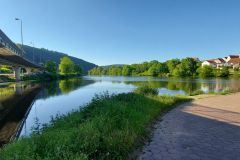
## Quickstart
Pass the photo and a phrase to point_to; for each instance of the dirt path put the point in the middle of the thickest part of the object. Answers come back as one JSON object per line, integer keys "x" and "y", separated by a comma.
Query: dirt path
{"x": 205, "y": 129}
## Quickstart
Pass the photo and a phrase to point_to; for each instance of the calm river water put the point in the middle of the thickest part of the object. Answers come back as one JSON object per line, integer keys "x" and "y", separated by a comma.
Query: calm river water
{"x": 23, "y": 104}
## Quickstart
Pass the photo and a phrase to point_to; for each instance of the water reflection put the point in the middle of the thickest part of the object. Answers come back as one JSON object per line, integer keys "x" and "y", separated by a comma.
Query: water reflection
{"x": 22, "y": 103}
{"x": 14, "y": 103}
{"x": 177, "y": 85}
{"x": 16, "y": 100}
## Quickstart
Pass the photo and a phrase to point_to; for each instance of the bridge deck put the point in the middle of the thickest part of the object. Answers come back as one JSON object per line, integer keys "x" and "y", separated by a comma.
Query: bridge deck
{"x": 9, "y": 53}
{"x": 13, "y": 59}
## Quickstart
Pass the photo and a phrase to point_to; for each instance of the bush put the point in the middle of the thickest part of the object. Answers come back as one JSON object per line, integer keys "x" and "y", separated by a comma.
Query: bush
{"x": 5, "y": 70}
{"x": 146, "y": 90}
{"x": 224, "y": 72}
{"x": 206, "y": 71}
{"x": 197, "y": 92}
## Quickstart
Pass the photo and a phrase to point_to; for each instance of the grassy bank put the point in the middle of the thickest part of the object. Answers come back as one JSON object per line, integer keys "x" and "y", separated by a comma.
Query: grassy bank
{"x": 107, "y": 128}
{"x": 45, "y": 76}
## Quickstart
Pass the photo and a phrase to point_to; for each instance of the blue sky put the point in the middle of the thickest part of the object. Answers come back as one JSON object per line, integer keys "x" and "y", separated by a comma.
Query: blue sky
{"x": 126, "y": 31}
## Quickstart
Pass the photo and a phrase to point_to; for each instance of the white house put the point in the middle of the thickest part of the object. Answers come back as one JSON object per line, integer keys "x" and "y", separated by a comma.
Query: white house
{"x": 209, "y": 63}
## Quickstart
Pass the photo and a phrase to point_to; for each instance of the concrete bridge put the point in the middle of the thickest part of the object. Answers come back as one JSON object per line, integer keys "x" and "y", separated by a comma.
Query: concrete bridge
{"x": 11, "y": 55}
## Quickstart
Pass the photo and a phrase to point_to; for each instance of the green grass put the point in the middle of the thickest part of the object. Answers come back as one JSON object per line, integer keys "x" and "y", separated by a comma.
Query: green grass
{"x": 224, "y": 92}
{"x": 109, "y": 127}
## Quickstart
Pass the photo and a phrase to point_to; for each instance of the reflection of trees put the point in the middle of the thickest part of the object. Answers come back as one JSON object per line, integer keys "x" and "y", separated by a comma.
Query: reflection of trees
{"x": 189, "y": 86}
{"x": 14, "y": 107}
{"x": 69, "y": 85}
{"x": 186, "y": 86}
{"x": 7, "y": 91}
{"x": 55, "y": 88}
{"x": 51, "y": 88}
{"x": 14, "y": 89}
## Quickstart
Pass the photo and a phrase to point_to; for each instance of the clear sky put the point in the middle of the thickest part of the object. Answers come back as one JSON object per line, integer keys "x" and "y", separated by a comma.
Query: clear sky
{"x": 126, "y": 31}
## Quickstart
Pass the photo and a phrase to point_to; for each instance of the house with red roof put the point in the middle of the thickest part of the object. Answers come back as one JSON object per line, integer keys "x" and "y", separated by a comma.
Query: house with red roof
{"x": 229, "y": 61}
{"x": 233, "y": 61}
{"x": 217, "y": 63}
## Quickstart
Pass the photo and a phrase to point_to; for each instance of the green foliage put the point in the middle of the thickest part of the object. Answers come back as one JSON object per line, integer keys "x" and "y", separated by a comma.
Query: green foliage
{"x": 50, "y": 67}
{"x": 41, "y": 77}
{"x": 77, "y": 69}
{"x": 185, "y": 67}
{"x": 66, "y": 66}
{"x": 197, "y": 92}
{"x": 126, "y": 70}
{"x": 179, "y": 71}
{"x": 108, "y": 128}
{"x": 206, "y": 71}
{"x": 223, "y": 72}
{"x": 146, "y": 90}
{"x": 172, "y": 64}
{"x": 5, "y": 69}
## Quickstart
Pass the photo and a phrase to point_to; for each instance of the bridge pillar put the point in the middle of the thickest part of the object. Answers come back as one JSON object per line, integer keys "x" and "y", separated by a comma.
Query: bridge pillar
{"x": 17, "y": 71}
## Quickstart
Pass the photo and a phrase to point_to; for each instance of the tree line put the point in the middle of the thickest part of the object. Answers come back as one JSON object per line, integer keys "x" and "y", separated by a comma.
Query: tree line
{"x": 186, "y": 67}
{"x": 65, "y": 67}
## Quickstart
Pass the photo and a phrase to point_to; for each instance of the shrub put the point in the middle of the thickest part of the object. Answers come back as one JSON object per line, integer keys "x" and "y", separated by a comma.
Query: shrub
{"x": 197, "y": 92}
{"x": 206, "y": 71}
{"x": 146, "y": 90}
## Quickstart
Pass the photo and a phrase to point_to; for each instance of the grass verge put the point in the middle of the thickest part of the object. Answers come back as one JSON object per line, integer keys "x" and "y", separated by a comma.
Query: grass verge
{"x": 107, "y": 128}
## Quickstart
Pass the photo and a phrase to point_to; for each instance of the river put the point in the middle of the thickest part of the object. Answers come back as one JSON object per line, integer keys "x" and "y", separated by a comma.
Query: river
{"x": 24, "y": 105}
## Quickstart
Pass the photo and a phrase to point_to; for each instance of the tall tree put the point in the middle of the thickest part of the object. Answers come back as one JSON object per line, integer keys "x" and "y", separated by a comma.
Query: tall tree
{"x": 172, "y": 64}
{"x": 77, "y": 69}
{"x": 126, "y": 71}
{"x": 50, "y": 66}
{"x": 66, "y": 66}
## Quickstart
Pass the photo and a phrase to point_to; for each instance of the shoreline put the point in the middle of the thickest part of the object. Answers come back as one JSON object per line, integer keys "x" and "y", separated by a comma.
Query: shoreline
{"x": 127, "y": 121}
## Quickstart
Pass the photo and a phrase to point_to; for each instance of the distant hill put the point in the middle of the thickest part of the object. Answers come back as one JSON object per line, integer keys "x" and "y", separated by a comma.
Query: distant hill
{"x": 42, "y": 55}
{"x": 113, "y": 65}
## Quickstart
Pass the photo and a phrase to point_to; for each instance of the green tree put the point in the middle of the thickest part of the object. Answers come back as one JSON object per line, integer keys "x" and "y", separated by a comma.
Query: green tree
{"x": 179, "y": 71}
{"x": 50, "y": 66}
{"x": 172, "y": 64}
{"x": 206, "y": 71}
{"x": 127, "y": 70}
{"x": 189, "y": 66}
{"x": 66, "y": 66}
{"x": 77, "y": 69}
{"x": 153, "y": 71}
{"x": 223, "y": 72}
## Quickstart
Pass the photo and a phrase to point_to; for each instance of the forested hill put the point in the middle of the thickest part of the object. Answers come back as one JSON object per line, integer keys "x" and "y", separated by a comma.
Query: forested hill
{"x": 43, "y": 55}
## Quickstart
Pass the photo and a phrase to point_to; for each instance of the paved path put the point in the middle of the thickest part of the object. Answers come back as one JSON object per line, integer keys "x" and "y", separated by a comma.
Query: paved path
{"x": 205, "y": 129}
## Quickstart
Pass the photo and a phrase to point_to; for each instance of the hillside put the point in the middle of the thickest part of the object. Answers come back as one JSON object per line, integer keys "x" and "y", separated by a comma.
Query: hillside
{"x": 113, "y": 65}
{"x": 42, "y": 55}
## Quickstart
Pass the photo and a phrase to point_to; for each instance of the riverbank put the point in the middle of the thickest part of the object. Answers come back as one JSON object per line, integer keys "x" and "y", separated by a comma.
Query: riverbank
{"x": 109, "y": 127}
{"x": 39, "y": 77}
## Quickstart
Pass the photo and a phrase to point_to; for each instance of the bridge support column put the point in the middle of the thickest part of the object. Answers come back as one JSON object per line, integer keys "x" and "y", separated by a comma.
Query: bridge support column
{"x": 17, "y": 71}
